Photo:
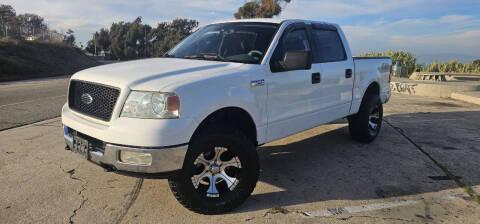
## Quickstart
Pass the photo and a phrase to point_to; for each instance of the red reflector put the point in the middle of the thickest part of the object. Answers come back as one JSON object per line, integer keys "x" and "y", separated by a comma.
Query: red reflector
{"x": 173, "y": 103}
{"x": 391, "y": 73}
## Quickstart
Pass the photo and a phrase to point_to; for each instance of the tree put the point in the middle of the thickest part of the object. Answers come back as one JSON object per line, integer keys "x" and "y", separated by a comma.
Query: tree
{"x": 434, "y": 67}
{"x": 477, "y": 62}
{"x": 90, "y": 48}
{"x": 25, "y": 25}
{"x": 8, "y": 18}
{"x": 31, "y": 24}
{"x": 117, "y": 32}
{"x": 260, "y": 9}
{"x": 169, "y": 34}
{"x": 102, "y": 39}
{"x": 69, "y": 37}
{"x": 131, "y": 40}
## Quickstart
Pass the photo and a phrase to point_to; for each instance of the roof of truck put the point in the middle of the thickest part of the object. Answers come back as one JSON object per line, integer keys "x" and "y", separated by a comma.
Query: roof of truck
{"x": 270, "y": 20}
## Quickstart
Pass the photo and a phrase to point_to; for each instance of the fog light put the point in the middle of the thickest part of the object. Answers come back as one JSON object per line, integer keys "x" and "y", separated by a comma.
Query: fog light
{"x": 137, "y": 158}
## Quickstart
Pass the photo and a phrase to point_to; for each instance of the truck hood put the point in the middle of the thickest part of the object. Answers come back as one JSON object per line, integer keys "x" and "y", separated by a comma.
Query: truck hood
{"x": 154, "y": 74}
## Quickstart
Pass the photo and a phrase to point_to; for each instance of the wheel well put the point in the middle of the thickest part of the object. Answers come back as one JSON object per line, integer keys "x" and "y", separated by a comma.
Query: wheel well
{"x": 232, "y": 117}
{"x": 373, "y": 88}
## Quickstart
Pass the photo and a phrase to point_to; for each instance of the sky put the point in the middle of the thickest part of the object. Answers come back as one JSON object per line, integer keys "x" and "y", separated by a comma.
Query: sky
{"x": 428, "y": 28}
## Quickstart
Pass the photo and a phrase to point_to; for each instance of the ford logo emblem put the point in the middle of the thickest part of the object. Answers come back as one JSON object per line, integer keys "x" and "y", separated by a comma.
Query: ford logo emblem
{"x": 86, "y": 98}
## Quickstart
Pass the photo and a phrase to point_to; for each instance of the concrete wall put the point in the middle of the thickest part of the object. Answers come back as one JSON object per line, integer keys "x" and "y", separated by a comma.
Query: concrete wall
{"x": 430, "y": 89}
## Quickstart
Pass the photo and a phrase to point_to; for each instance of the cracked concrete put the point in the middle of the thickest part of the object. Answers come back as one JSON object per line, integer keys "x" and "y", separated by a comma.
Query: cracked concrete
{"x": 447, "y": 172}
{"x": 315, "y": 170}
{"x": 43, "y": 183}
{"x": 84, "y": 199}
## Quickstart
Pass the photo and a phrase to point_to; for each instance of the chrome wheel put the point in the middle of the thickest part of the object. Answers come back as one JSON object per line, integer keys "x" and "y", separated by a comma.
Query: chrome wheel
{"x": 374, "y": 120}
{"x": 216, "y": 172}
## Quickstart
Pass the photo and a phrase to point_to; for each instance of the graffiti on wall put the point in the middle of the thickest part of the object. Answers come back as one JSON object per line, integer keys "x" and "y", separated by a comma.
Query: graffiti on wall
{"x": 402, "y": 87}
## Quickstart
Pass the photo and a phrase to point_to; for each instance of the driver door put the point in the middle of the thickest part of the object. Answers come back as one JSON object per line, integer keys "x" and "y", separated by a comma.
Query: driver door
{"x": 289, "y": 91}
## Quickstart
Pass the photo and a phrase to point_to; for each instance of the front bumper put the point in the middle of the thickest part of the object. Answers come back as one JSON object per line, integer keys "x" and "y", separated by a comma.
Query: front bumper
{"x": 164, "y": 159}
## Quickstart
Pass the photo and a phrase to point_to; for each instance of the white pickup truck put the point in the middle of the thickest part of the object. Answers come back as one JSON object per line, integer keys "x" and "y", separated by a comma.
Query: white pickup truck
{"x": 198, "y": 114}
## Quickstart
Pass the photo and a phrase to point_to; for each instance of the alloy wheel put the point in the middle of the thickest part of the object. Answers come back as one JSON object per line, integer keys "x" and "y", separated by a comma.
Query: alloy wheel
{"x": 216, "y": 172}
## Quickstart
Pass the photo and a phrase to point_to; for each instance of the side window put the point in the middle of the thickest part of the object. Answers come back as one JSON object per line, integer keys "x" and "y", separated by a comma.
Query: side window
{"x": 329, "y": 47}
{"x": 295, "y": 40}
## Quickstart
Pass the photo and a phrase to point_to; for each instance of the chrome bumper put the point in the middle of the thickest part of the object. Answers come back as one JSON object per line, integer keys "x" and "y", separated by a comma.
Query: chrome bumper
{"x": 164, "y": 159}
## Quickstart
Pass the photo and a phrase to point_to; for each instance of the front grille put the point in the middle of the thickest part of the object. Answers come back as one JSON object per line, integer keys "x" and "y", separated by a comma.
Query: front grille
{"x": 101, "y": 102}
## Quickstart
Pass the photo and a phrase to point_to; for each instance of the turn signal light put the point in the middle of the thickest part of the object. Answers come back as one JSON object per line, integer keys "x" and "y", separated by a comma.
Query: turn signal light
{"x": 173, "y": 103}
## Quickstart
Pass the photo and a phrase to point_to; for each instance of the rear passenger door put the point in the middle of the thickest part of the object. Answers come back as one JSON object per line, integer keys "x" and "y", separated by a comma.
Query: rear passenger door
{"x": 333, "y": 91}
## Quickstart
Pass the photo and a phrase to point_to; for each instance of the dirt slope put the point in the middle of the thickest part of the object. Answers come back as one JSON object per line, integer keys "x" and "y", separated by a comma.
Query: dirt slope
{"x": 36, "y": 59}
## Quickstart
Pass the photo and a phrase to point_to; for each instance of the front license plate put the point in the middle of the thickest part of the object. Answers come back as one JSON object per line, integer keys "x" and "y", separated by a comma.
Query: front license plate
{"x": 80, "y": 146}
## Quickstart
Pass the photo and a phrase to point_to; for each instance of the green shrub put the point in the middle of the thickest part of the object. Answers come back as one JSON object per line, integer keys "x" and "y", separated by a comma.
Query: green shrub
{"x": 453, "y": 66}
{"x": 406, "y": 59}
{"x": 409, "y": 63}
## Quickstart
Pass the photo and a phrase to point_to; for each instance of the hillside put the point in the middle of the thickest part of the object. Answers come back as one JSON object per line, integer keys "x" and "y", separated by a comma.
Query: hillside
{"x": 36, "y": 59}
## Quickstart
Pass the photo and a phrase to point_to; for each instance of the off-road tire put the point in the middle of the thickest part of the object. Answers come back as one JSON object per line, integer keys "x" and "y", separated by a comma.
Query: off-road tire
{"x": 358, "y": 124}
{"x": 233, "y": 139}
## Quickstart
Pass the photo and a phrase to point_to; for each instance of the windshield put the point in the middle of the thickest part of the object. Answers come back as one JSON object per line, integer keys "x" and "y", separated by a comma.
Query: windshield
{"x": 234, "y": 42}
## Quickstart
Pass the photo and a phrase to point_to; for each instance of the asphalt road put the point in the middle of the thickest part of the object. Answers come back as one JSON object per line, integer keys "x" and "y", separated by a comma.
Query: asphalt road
{"x": 415, "y": 171}
{"x": 26, "y": 102}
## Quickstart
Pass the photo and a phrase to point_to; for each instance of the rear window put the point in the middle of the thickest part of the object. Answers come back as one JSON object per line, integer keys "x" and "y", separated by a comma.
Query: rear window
{"x": 328, "y": 46}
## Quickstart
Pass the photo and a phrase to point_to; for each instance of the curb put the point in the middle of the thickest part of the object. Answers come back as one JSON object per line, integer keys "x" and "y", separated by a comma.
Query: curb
{"x": 467, "y": 97}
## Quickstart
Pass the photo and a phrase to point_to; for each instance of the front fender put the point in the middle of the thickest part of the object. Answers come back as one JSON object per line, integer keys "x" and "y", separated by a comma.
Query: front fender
{"x": 200, "y": 99}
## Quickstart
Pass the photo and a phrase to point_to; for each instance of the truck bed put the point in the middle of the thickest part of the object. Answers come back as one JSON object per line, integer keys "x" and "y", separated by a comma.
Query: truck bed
{"x": 366, "y": 68}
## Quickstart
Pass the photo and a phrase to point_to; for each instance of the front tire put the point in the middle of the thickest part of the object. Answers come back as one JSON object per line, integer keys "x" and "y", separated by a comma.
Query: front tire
{"x": 220, "y": 171}
{"x": 366, "y": 124}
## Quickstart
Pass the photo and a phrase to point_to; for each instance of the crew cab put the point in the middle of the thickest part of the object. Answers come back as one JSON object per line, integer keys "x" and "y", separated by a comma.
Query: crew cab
{"x": 197, "y": 115}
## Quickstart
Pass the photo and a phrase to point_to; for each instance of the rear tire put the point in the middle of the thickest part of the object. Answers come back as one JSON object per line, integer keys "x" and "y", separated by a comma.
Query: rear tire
{"x": 220, "y": 171}
{"x": 366, "y": 124}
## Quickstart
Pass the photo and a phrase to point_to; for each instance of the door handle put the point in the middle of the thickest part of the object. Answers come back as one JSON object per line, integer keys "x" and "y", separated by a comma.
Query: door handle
{"x": 348, "y": 73}
{"x": 316, "y": 78}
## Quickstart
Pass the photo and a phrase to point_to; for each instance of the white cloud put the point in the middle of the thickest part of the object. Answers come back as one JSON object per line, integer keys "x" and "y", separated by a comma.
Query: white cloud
{"x": 87, "y": 16}
{"x": 465, "y": 42}
{"x": 336, "y": 9}
{"x": 410, "y": 22}
{"x": 379, "y": 30}
{"x": 365, "y": 39}
{"x": 455, "y": 18}
{"x": 389, "y": 37}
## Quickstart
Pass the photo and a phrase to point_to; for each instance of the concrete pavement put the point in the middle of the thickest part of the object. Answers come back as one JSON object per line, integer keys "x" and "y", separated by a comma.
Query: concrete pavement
{"x": 471, "y": 97}
{"x": 317, "y": 176}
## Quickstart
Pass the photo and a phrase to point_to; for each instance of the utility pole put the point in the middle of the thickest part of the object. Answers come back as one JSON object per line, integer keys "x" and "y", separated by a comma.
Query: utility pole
{"x": 95, "y": 43}
{"x": 146, "y": 45}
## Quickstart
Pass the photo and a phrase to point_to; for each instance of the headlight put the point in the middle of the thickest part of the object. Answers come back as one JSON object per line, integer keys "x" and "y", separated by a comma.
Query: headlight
{"x": 142, "y": 104}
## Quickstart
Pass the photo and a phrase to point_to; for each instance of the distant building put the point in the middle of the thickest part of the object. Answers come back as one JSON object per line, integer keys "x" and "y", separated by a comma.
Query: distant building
{"x": 31, "y": 38}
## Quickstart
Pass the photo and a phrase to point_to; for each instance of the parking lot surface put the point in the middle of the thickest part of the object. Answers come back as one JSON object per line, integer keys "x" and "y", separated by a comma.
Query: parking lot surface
{"x": 423, "y": 168}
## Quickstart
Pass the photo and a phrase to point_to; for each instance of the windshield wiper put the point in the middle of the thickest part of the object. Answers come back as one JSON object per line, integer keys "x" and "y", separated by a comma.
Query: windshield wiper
{"x": 166, "y": 55}
{"x": 207, "y": 57}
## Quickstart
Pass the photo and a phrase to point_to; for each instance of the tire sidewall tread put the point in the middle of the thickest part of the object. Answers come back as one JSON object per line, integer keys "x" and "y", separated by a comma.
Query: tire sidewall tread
{"x": 182, "y": 187}
{"x": 358, "y": 123}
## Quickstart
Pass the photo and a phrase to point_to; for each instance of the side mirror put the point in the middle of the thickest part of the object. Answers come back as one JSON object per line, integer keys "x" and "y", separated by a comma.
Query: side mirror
{"x": 296, "y": 60}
